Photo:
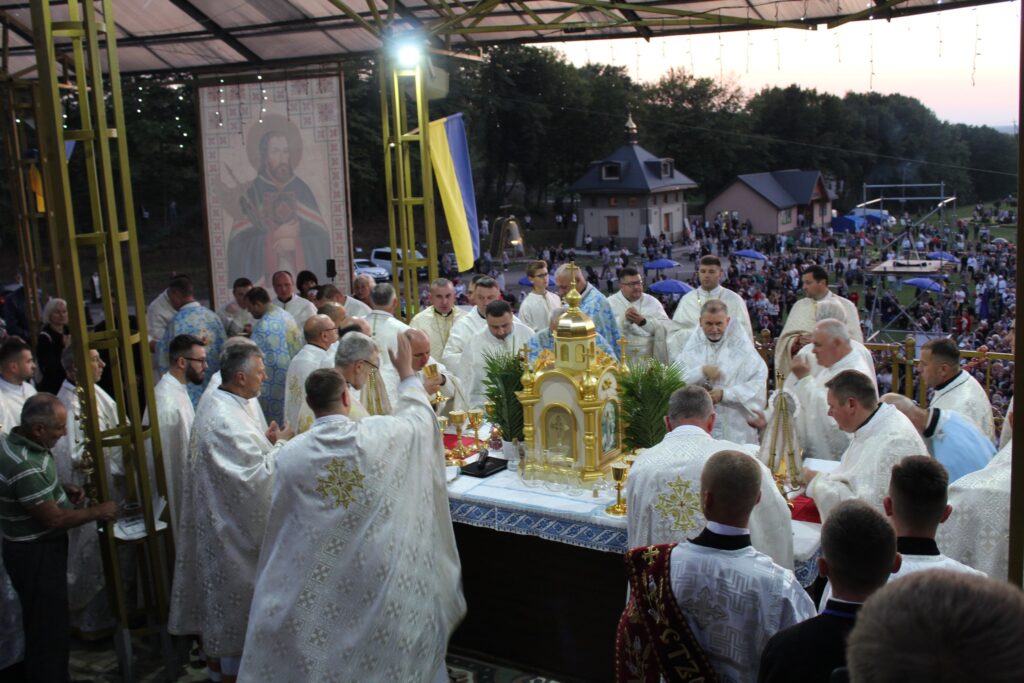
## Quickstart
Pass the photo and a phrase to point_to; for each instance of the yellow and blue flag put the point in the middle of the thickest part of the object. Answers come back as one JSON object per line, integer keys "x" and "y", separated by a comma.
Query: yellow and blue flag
{"x": 449, "y": 155}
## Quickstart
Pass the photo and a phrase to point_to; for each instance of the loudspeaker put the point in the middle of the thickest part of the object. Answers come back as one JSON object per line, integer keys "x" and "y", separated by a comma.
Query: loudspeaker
{"x": 332, "y": 269}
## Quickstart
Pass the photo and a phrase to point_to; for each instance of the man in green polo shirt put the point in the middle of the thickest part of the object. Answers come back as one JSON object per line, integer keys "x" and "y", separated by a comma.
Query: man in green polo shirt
{"x": 35, "y": 511}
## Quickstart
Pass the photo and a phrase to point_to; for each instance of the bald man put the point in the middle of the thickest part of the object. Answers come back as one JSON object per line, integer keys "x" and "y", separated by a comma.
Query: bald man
{"x": 320, "y": 333}
{"x": 725, "y": 633}
{"x": 446, "y": 383}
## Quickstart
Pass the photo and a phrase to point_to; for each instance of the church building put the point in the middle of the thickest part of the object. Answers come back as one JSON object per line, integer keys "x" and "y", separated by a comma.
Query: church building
{"x": 630, "y": 195}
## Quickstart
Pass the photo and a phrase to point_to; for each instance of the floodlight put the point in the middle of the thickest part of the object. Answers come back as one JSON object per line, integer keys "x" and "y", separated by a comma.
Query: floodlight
{"x": 409, "y": 54}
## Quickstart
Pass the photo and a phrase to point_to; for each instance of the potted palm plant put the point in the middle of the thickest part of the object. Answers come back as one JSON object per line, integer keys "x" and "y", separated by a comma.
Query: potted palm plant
{"x": 644, "y": 392}
{"x": 502, "y": 379}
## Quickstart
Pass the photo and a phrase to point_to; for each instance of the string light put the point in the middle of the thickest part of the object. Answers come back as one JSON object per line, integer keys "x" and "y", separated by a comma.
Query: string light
{"x": 977, "y": 45}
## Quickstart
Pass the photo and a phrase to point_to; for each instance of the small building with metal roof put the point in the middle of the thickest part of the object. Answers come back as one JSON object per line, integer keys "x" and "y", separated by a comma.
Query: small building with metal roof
{"x": 775, "y": 202}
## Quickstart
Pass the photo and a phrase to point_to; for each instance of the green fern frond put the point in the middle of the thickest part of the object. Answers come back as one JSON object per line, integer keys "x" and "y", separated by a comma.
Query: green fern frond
{"x": 503, "y": 378}
{"x": 644, "y": 392}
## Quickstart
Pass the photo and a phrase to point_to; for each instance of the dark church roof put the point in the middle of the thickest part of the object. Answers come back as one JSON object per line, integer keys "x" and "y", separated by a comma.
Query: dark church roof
{"x": 784, "y": 188}
{"x": 631, "y": 169}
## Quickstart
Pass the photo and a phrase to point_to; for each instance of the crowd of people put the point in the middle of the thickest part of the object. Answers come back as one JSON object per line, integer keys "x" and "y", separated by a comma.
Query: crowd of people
{"x": 301, "y": 537}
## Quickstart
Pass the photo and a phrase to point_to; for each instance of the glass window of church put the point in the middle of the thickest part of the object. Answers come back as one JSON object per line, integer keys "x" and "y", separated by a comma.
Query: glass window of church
{"x": 610, "y": 172}
{"x": 666, "y": 168}
{"x": 613, "y": 201}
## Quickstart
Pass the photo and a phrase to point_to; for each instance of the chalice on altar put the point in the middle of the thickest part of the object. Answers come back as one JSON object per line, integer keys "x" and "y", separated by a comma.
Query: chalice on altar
{"x": 458, "y": 453}
{"x": 431, "y": 372}
{"x": 476, "y": 420}
{"x": 618, "y": 508}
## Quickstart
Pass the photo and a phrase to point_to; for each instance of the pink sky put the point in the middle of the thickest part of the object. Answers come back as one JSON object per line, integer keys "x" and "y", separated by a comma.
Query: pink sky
{"x": 930, "y": 57}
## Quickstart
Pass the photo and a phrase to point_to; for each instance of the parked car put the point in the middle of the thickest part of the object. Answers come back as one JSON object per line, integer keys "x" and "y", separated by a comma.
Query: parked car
{"x": 367, "y": 267}
{"x": 381, "y": 256}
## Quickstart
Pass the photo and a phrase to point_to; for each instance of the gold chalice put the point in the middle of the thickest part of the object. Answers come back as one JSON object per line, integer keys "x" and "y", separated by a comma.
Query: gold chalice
{"x": 619, "y": 475}
{"x": 476, "y": 420}
{"x": 457, "y": 418}
{"x": 431, "y": 372}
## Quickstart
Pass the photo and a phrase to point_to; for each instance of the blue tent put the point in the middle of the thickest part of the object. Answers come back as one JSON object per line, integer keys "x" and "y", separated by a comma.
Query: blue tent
{"x": 670, "y": 287}
{"x": 848, "y": 223}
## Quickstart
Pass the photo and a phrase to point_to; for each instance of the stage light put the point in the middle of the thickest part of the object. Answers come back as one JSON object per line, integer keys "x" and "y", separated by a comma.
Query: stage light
{"x": 409, "y": 51}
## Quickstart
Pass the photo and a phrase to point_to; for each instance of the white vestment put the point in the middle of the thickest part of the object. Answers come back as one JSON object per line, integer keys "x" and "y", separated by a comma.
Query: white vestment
{"x": 688, "y": 314}
{"x": 253, "y": 406}
{"x": 359, "y": 575}
{"x": 309, "y": 358}
{"x": 977, "y": 532}
{"x": 235, "y": 318}
{"x": 663, "y": 496}
{"x": 649, "y": 339}
{"x": 354, "y": 308}
{"x": 743, "y": 379}
{"x": 965, "y": 395}
{"x": 88, "y": 604}
{"x": 224, "y": 515}
{"x": 818, "y": 432}
{"x": 801, "y": 320}
{"x": 158, "y": 316}
{"x": 386, "y": 328}
{"x": 12, "y": 400}
{"x": 175, "y": 414}
{"x": 807, "y": 353}
{"x": 734, "y": 601}
{"x": 535, "y": 311}
{"x": 437, "y": 326}
{"x": 471, "y": 369}
{"x": 299, "y": 307}
{"x": 463, "y": 330}
{"x": 866, "y": 466}
{"x": 1007, "y": 433}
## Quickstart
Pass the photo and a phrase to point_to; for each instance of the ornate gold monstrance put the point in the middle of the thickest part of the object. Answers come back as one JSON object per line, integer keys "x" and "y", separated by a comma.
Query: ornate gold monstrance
{"x": 570, "y": 397}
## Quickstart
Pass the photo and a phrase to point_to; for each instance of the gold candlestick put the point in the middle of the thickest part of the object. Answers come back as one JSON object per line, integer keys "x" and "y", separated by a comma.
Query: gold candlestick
{"x": 457, "y": 455}
{"x": 618, "y": 508}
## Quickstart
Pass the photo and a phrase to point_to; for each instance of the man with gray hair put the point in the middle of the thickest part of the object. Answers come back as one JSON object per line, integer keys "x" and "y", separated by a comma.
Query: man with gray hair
{"x": 224, "y": 511}
{"x": 438, "y": 319}
{"x": 831, "y": 308}
{"x": 385, "y": 328}
{"x": 665, "y": 479}
{"x": 36, "y": 509}
{"x": 356, "y": 358}
{"x": 816, "y": 430}
{"x": 721, "y": 357}
{"x": 592, "y": 302}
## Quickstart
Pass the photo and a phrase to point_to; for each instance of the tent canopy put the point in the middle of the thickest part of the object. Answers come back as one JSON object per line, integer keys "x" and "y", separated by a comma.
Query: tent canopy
{"x": 212, "y": 35}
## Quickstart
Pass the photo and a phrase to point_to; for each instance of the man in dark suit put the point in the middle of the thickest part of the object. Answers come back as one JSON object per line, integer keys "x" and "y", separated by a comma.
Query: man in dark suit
{"x": 858, "y": 554}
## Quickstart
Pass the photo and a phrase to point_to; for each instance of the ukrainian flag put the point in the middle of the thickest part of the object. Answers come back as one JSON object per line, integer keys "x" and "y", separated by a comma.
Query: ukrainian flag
{"x": 449, "y": 154}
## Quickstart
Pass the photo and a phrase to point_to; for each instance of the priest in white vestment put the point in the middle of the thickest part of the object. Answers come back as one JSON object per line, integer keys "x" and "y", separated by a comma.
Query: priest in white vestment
{"x": 385, "y": 329}
{"x": 687, "y": 314}
{"x": 882, "y": 436}
{"x": 329, "y": 294}
{"x": 1007, "y": 431}
{"x": 445, "y": 385}
{"x": 720, "y": 357}
{"x": 977, "y": 532}
{"x": 466, "y": 327}
{"x": 299, "y": 307}
{"x": 641, "y": 318}
{"x": 664, "y": 482}
{"x": 356, "y": 358}
{"x": 831, "y": 308}
{"x": 320, "y": 333}
{"x": 732, "y": 597}
{"x": 819, "y": 434}
{"x": 801, "y": 318}
{"x": 536, "y": 309}
{"x": 89, "y": 604}
{"x": 213, "y": 384}
{"x": 175, "y": 414}
{"x": 438, "y": 319}
{"x": 224, "y": 511}
{"x": 953, "y": 388}
{"x": 503, "y": 334}
{"x": 235, "y": 315}
{"x": 359, "y": 576}
{"x": 17, "y": 368}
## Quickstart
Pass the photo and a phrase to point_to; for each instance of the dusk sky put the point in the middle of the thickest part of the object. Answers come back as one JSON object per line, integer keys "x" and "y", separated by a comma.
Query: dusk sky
{"x": 930, "y": 57}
